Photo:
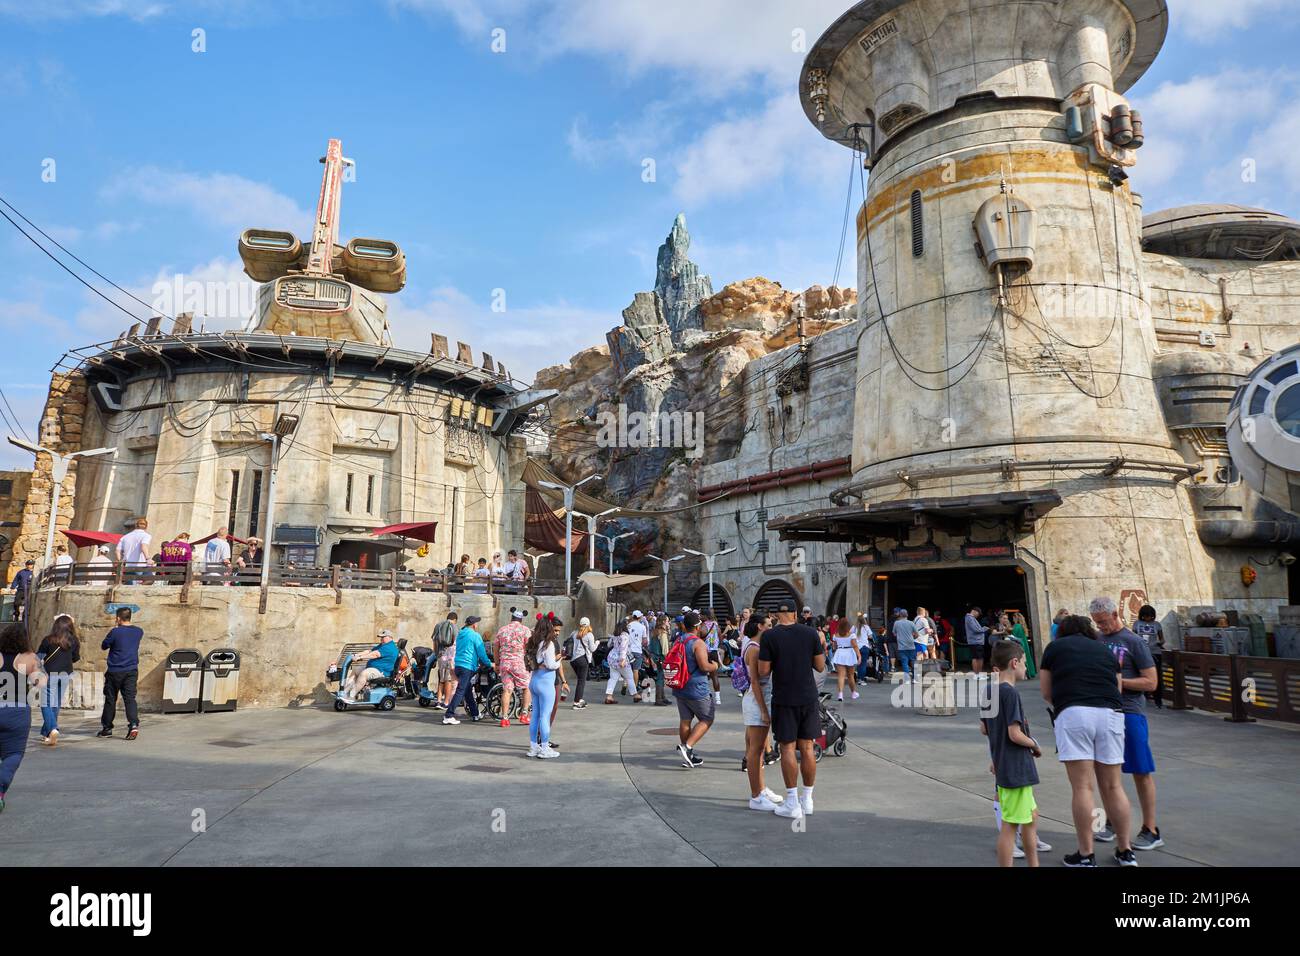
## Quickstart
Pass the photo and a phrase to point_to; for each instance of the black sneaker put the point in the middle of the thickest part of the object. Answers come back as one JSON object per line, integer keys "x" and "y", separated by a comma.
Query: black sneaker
{"x": 1146, "y": 840}
{"x": 554, "y": 746}
{"x": 133, "y": 733}
{"x": 1104, "y": 835}
{"x": 695, "y": 761}
{"x": 105, "y": 732}
{"x": 1079, "y": 861}
{"x": 1126, "y": 857}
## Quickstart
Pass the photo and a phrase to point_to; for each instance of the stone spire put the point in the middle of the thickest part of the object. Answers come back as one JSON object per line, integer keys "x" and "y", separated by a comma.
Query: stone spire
{"x": 678, "y": 282}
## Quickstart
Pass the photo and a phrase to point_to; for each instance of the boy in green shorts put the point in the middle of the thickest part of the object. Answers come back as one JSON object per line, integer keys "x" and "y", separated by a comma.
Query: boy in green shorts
{"x": 1013, "y": 752}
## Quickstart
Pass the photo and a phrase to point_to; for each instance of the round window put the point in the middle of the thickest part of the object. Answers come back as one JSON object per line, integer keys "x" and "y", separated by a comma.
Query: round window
{"x": 1287, "y": 411}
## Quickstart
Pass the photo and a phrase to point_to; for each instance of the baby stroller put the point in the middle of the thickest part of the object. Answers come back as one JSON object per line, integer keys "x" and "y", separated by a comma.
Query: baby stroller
{"x": 597, "y": 671}
{"x": 834, "y": 735}
{"x": 875, "y": 661}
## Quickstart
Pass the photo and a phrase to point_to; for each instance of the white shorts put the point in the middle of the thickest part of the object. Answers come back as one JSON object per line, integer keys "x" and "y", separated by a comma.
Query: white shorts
{"x": 749, "y": 708}
{"x": 1090, "y": 733}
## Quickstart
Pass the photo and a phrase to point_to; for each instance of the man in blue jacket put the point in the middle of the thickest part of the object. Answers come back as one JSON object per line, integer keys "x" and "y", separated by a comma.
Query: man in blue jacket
{"x": 123, "y": 646}
{"x": 22, "y": 586}
{"x": 470, "y": 656}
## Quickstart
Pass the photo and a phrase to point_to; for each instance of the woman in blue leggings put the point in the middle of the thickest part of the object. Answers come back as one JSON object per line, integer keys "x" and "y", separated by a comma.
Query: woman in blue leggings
{"x": 19, "y": 673}
{"x": 544, "y": 652}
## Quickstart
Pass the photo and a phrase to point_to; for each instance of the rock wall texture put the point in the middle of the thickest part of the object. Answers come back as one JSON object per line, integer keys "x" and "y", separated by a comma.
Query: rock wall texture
{"x": 60, "y": 430}
{"x": 680, "y": 359}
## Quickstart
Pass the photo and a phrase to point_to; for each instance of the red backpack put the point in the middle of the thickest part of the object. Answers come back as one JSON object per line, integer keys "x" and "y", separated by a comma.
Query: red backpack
{"x": 677, "y": 670}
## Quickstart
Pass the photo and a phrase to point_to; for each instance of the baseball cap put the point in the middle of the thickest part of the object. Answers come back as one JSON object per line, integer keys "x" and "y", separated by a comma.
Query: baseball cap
{"x": 807, "y": 609}
{"x": 384, "y": 633}
{"x": 472, "y": 620}
{"x": 517, "y": 614}
{"x": 785, "y": 607}
{"x": 585, "y": 622}
{"x": 634, "y": 614}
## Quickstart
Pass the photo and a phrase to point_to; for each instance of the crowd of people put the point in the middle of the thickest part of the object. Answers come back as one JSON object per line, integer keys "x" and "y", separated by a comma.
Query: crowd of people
{"x": 1095, "y": 676}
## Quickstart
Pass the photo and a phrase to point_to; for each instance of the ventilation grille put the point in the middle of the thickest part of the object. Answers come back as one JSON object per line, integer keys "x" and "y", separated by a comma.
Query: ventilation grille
{"x": 918, "y": 226}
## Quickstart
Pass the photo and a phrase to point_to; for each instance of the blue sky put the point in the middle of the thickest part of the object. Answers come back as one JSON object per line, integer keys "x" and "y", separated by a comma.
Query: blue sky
{"x": 519, "y": 170}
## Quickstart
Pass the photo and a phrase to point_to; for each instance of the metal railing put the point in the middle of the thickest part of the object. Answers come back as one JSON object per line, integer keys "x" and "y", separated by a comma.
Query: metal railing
{"x": 1244, "y": 688}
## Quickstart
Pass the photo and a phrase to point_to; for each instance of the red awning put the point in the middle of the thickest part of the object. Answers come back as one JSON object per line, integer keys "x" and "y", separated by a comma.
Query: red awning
{"x": 544, "y": 527}
{"x": 420, "y": 530}
{"x": 88, "y": 539}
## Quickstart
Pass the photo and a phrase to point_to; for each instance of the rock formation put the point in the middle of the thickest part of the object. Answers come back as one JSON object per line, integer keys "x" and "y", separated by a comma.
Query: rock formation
{"x": 680, "y": 353}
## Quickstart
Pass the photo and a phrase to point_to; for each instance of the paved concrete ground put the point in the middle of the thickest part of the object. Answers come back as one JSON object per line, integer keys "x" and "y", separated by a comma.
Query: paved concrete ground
{"x": 311, "y": 786}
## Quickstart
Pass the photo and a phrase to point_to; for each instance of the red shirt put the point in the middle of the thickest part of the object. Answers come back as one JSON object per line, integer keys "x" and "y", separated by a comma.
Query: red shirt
{"x": 176, "y": 552}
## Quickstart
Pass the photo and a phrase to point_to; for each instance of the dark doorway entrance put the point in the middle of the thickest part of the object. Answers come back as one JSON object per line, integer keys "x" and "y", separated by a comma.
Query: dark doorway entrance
{"x": 953, "y": 590}
{"x": 366, "y": 555}
{"x": 835, "y": 606}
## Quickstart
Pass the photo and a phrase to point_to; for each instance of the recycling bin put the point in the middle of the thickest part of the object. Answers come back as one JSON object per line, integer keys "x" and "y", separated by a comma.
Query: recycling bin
{"x": 182, "y": 682}
{"x": 220, "y": 681}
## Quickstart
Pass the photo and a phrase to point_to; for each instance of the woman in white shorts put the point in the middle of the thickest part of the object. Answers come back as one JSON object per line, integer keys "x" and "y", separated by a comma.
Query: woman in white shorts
{"x": 757, "y": 714}
{"x": 1079, "y": 678}
{"x": 846, "y": 658}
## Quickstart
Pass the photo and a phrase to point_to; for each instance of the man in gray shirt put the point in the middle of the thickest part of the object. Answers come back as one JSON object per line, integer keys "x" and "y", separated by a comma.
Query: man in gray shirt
{"x": 975, "y": 639}
{"x": 905, "y": 637}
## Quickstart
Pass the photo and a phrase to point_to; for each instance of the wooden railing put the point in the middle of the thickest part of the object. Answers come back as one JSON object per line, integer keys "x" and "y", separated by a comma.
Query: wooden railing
{"x": 1244, "y": 688}
{"x": 335, "y": 578}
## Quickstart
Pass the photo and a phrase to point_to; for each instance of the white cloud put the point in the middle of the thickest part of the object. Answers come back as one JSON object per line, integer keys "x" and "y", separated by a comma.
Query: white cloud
{"x": 1204, "y": 20}
{"x": 722, "y": 44}
{"x": 743, "y": 153}
{"x": 1195, "y": 148}
{"x": 524, "y": 337}
{"x": 222, "y": 199}
{"x": 77, "y": 9}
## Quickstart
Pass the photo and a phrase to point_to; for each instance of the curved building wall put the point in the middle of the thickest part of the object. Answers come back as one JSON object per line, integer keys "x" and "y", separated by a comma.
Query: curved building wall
{"x": 366, "y": 453}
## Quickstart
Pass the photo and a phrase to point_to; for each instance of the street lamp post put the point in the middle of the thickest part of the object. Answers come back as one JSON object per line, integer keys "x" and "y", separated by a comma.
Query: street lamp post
{"x": 591, "y": 534}
{"x": 58, "y": 471}
{"x": 569, "y": 491}
{"x": 708, "y": 564}
{"x": 285, "y": 426}
{"x": 665, "y": 562}
{"x": 611, "y": 541}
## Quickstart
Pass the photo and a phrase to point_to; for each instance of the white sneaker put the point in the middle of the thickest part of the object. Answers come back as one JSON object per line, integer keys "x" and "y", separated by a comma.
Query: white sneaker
{"x": 761, "y": 802}
{"x": 806, "y": 804}
{"x": 790, "y": 810}
{"x": 773, "y": 796}
{"x": 532, "y": 749}
{"x": 717, "y": 697}
{"x": 839, "y": 699}
{"x": 450, "y": 720}
{"x": 856, "y": 695}
{"x": 547, "y": 754}
{"x": 1017, "y": 853}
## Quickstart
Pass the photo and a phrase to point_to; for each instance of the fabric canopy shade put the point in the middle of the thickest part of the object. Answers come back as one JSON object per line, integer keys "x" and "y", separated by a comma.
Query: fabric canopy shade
{"x": 420, "y": 530}
{"x": 599, "y": 579}
{"x": 544, "y": 527}
{"x": 88, "y": 539}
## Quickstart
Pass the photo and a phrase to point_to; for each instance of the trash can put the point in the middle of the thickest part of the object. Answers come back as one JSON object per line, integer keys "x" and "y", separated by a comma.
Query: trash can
{"x": 182, "y": 681}
{"x": 220, "y": 681}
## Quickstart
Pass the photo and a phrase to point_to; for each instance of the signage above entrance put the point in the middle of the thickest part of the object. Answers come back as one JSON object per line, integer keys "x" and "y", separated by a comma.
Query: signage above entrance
{"x": 991, "y": 550}
{"x": 918, "y": 555}
{"x": 863, "y": 559}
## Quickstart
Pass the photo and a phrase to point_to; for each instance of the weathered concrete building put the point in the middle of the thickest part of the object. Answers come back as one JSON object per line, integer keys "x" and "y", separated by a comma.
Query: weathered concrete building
{"x": 309, "y": 406}
{"x": 1039, "y": 405}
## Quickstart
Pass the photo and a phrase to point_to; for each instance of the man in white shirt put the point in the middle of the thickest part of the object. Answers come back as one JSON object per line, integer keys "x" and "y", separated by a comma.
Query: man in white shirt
{"x": 638, "y": 635}
{"x": 133, "y": 548}
{"x": 216, "y": 555}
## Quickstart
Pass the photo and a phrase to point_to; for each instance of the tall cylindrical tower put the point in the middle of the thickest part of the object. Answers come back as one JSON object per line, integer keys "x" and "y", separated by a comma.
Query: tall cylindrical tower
{"x": 1006, "y": 338}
